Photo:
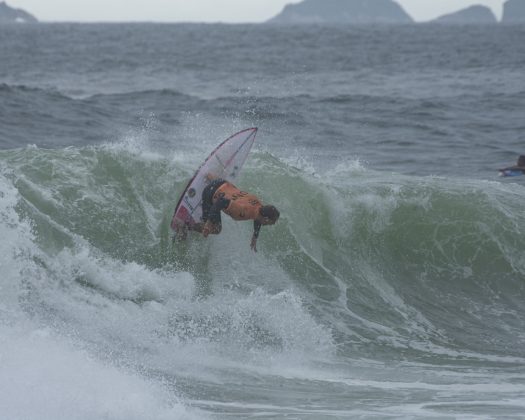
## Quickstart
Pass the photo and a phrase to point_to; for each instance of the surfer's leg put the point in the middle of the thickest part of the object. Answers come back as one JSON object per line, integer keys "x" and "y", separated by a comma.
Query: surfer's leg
{"x": 207, "y": 205}
{"x": 216, "y": 229}
{"x": 207, "y": 198}
{"x": 197, "y": 227}
{"x": 214, "y": 215}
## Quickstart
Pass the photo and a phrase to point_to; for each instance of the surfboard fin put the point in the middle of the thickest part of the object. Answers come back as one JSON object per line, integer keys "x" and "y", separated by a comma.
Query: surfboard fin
{"x": 180, "y": 233}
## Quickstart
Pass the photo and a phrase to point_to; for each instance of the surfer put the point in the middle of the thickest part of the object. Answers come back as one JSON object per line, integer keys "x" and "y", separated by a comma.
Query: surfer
{"x": 518, "y": 169}
{"x": 220, "y": 195}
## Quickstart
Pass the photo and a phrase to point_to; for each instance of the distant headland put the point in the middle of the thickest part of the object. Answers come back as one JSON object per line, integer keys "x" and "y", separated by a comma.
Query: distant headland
{"x": 11, "y": 15}
{"x": 343, "y": 11}
{"x": 472, "y": 14}
{"x": 387, "y": 11}
{"x": 346, "y": 12}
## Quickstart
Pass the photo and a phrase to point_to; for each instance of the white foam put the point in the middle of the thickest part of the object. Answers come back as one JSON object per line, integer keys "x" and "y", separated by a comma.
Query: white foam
{"x": 15, "y": 246}
{"x": 44, "y": 374}
{"x": 42, "y": 377}
{"x": 125, "y": 280}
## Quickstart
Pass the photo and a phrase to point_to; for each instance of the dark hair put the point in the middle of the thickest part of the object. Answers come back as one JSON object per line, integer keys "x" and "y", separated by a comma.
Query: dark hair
{"x": 521, "y": 161}
{"x": 270, "y": 212}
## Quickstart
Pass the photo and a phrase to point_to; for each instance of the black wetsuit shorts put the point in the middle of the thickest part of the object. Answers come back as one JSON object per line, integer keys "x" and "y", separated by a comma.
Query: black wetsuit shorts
{"x": 212, "y": 211}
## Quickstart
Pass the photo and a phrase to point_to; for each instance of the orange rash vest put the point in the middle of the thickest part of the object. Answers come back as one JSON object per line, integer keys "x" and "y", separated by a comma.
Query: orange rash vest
{"x": 243, "y": 206}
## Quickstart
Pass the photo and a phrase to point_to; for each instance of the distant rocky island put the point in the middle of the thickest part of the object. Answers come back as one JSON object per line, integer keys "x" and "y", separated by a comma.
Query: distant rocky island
{"x": 514, "y": 11}
{"x": 343, "y": 11}
{"x": 472, "y": 14}
{"x": 10, "y": 15}
{"x": 346, "y": 12}
{"x": 387, "y": 11}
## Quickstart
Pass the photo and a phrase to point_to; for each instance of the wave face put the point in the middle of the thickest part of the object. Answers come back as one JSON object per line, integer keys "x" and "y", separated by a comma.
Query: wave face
{"x": 377, "y": 269}
{"x": 391, "y": 287}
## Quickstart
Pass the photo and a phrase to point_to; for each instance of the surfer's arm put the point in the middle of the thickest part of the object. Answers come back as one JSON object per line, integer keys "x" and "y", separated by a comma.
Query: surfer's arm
{"x": 256, "y": 229}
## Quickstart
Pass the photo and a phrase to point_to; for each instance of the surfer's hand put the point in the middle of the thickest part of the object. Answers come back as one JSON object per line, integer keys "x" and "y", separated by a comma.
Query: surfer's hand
{"x": 206, "y": 229}
{"x": 253, "y": 244}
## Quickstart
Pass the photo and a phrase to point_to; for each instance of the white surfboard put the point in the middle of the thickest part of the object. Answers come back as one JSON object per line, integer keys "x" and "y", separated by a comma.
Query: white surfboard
{"x": 511, "y": 172}
{"x": 224, "y": 162}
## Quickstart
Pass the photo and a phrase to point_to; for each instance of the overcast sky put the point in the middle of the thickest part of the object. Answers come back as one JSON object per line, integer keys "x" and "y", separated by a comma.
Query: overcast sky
{"x": 207, "y": 10}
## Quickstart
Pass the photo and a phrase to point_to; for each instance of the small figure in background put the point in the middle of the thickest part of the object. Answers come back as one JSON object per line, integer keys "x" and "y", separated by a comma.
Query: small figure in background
{"x": 516, "y": 170}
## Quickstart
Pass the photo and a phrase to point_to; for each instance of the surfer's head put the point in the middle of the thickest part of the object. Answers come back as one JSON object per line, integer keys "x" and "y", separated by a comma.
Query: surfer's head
{"x": 269, "y": 215}
{"x": 521, "y": 161}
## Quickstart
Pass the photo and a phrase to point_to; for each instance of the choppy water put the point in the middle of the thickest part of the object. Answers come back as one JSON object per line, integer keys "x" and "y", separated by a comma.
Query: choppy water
{"x": 392, "y": 287}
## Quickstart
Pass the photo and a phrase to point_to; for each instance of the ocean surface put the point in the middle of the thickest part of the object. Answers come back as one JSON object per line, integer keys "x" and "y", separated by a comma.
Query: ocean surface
{"x": 392, "y": 287}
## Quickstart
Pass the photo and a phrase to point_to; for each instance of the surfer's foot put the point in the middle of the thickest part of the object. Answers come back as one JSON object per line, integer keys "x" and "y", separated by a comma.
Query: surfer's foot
{"x": 197, "y": 227}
